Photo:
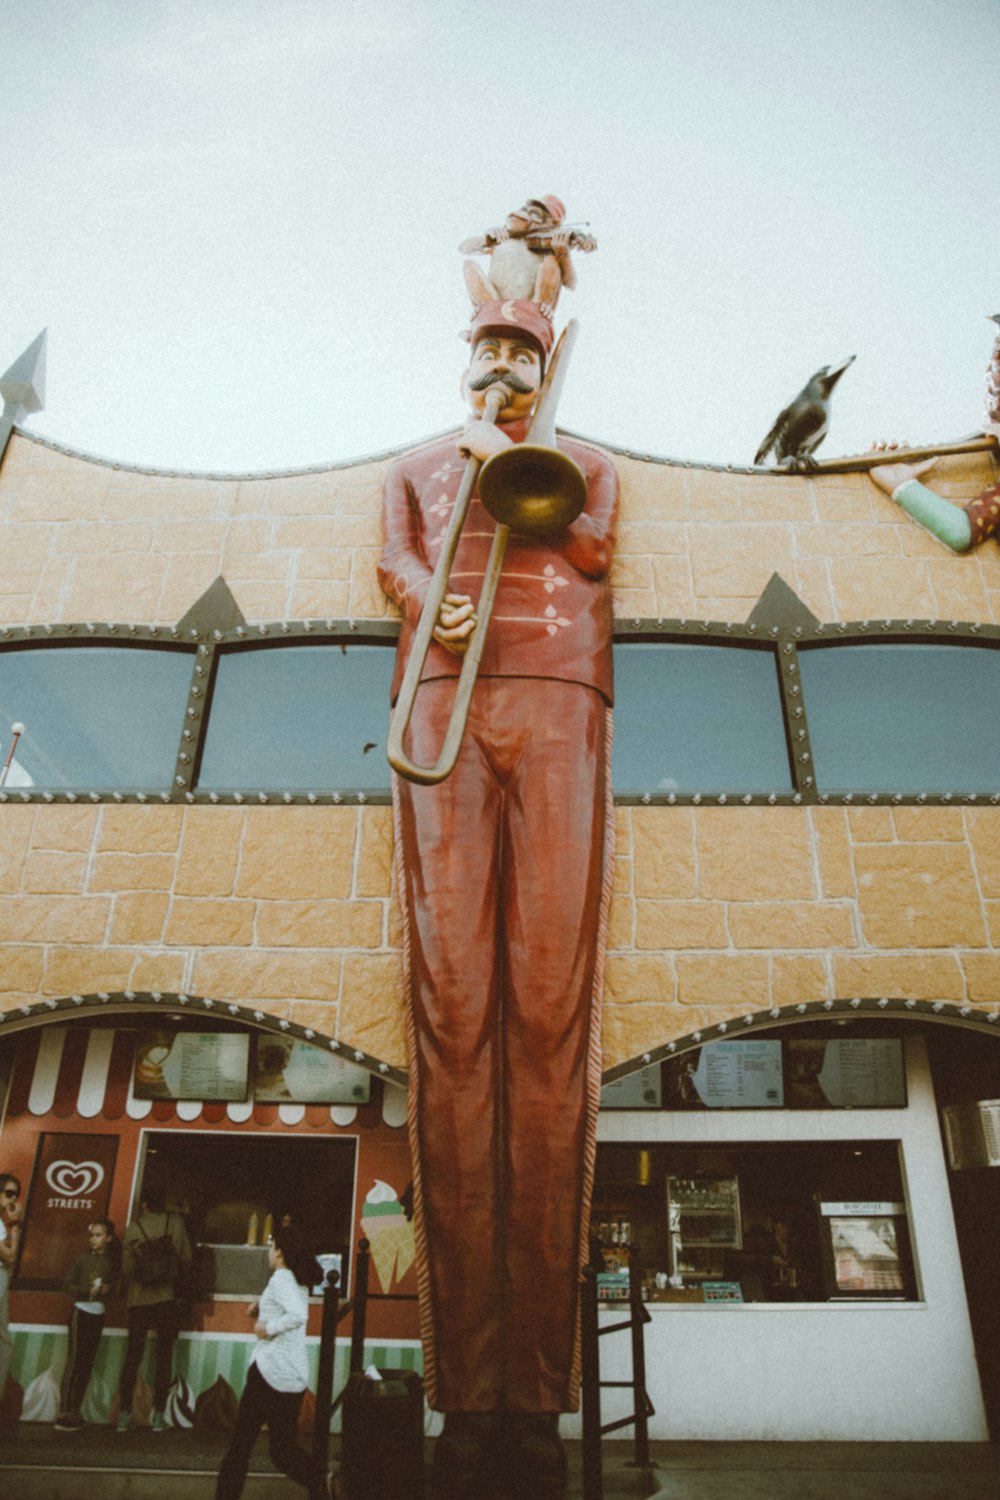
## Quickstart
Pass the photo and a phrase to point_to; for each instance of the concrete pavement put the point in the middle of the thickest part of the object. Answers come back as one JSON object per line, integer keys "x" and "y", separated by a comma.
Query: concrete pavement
{"x": 39, "y": 1464}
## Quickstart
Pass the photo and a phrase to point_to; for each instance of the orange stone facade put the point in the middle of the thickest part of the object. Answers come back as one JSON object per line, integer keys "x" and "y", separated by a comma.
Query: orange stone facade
{"x": 717, "y": 911}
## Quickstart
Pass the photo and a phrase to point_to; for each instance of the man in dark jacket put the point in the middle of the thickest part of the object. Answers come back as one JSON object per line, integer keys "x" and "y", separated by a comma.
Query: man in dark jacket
{"x": 152, "y": 1305}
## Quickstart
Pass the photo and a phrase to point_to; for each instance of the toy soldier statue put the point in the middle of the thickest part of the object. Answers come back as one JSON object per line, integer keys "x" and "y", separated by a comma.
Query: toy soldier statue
{"x": 504, "y": 873}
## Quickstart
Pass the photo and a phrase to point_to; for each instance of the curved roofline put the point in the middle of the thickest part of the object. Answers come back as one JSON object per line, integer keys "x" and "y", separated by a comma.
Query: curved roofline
{"x": 354, "y": 463}
{"x": 222, "y": 474}
{"x": 148, "y": 1002}
{"x": 759, "y": 1023}
{"x": 333, "y": 465}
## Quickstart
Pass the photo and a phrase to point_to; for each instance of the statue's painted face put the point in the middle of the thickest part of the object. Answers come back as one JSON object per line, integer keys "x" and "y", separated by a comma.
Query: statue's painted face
{"x": 529, "y": 216}
{"x": 496, "y": 357}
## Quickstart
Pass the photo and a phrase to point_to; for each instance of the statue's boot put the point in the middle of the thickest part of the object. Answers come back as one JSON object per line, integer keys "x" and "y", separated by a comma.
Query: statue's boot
{"x": 464, "y": 1466}
{"x": 534, "y": 1459}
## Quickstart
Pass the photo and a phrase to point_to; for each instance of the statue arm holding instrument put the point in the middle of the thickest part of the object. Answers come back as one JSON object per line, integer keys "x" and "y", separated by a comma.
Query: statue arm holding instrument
{"x": 588, "y": 543}
{"x": 403, "y": 571}
{"x": 960, "y": 526}
{"x": 479, "y": 244}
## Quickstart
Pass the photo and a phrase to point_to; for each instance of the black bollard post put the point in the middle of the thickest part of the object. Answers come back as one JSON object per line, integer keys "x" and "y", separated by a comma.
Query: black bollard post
{"x": 639, "y": 1317}
{"x": 360, "y": 1319}
{"x": 324, "y": 1382}
{"x": 593, "y": 1479}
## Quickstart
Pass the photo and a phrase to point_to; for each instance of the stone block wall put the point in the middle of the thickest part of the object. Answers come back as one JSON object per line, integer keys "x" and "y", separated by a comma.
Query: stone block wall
{"x": 717, "y": 911}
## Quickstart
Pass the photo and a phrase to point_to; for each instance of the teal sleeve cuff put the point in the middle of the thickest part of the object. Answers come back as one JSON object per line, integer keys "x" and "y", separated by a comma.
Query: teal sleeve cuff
{"x": 948, "y": 522}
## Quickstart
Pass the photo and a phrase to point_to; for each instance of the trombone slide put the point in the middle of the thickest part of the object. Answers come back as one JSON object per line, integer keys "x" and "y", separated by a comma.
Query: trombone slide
{"x": 529, "y": 486}
{"x": 424, "y": 633}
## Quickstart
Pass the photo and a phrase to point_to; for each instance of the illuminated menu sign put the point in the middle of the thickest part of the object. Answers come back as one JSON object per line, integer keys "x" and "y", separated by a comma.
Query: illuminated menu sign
{"x": 853, "y": 1073}
{"x": 799, "y": 1073}
{"x": 296, "y": 1071}
{"x": 738, "y": 1075}
{"x": 192, "y": 1065}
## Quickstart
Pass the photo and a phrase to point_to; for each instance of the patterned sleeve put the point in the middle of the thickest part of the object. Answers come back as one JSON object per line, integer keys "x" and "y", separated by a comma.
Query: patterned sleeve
{"x": 403, "y": 571}
{"x": 590, "y": 539}
{"x": 984, "y": 515}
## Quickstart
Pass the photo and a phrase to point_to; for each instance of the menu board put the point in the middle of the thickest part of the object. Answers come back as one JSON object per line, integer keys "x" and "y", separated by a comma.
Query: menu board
{"x": 636, "y": 1091}
{"x": 192, "y": 1065}
{"x": 728, "y": 1075}
{"x": 295, "y": 1072}
{"x": 852, "y": 1073}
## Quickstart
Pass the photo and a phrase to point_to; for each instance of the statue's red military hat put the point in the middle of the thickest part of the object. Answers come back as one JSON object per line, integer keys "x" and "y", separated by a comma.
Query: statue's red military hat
{"x": 506, "y": 318}
{"x": 555, "y": 206}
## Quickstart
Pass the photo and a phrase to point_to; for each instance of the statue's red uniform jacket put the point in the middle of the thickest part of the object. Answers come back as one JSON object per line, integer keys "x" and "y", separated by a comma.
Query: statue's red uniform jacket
{"x": 505, "y": 877}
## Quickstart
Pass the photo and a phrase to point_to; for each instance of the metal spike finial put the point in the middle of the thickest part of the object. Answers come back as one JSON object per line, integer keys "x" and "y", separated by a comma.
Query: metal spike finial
{"x": 23, "y": 385}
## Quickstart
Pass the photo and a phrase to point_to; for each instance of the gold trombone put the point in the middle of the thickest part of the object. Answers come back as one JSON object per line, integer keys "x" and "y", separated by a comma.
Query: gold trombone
{"x": 530, "y": 487}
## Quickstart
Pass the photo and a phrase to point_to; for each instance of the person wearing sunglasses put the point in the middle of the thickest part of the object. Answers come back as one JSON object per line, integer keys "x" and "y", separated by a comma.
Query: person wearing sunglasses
{"x": 10, "y": 1233}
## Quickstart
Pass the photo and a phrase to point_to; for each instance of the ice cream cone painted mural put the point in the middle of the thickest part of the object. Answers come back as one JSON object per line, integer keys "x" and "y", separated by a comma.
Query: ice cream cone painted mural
{"x": 389, "y": 1233}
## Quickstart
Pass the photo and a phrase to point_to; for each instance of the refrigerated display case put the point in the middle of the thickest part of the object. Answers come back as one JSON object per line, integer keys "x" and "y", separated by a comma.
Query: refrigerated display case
{"x": 703, "y": 1214}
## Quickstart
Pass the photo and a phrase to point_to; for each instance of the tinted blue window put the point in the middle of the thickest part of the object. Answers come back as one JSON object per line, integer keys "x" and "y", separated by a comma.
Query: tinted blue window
{"x": 693, "y": 718}
{"x": 903, "y": 718}
{"x": 300, "y": 718}
{"x": 102, "y": 717}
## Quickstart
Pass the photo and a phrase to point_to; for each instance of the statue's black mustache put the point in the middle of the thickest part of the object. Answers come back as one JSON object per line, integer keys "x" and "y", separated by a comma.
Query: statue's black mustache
{"x": 495, "y": 377}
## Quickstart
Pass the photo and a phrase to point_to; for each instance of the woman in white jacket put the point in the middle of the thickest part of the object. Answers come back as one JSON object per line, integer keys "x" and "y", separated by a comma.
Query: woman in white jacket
{"x": 278, "y": 1374}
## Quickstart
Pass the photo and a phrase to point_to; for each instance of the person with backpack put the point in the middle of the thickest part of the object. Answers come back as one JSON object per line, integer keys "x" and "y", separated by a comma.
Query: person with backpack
{"x": 278, "y": 1373}
{"x": 156, "y": 1253}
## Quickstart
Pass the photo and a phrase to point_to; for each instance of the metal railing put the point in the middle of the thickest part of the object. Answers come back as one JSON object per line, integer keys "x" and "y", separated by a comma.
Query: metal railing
{"x": 592, "y": 1384}
{"x": 333, "y": 1315}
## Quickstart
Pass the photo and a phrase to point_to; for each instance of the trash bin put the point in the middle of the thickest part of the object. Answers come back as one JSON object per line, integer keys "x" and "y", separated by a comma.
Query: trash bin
{"x": 382, "y": 1437}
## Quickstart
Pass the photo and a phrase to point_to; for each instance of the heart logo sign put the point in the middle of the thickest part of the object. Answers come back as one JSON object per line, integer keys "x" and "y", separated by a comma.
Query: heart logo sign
{"x": 74, "y": 1179}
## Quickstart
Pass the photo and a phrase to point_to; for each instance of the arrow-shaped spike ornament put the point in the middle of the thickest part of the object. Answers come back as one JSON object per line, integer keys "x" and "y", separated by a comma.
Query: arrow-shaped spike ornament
{"x": 23, "y": 387}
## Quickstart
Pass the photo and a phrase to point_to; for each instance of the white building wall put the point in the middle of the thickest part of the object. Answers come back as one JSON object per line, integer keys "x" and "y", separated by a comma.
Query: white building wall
{"x": 819, "y": 1371}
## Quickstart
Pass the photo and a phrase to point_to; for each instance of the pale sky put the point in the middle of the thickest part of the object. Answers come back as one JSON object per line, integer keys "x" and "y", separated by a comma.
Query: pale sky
{"x": 240, "y": 221}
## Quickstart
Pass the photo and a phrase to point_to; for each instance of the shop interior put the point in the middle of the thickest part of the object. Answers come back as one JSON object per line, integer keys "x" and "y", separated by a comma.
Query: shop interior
{"x": 759, "y": 1221}
{"x": 234, "y": 1189}
{"x": 804, "y": 1222}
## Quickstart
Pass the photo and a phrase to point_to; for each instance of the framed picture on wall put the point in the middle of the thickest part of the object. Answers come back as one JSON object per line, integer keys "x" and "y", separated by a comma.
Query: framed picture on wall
{"x": 866, "y": 1251}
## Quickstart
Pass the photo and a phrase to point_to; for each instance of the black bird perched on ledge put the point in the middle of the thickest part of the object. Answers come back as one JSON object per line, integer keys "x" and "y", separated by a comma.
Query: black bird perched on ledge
{"x": 801, "y": 427}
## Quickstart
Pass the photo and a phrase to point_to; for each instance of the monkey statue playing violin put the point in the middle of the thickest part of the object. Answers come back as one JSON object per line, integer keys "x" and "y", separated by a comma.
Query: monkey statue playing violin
{"x": 529, "y": 257}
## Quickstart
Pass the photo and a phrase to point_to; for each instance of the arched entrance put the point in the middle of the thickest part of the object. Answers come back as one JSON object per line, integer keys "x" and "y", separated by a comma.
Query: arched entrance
{"x": 240, "y": 1117}
{"x": 793, "y": 1164}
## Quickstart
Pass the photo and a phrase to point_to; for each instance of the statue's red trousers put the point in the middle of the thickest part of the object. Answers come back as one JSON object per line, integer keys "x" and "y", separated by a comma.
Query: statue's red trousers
{"x": 503, "y": 868}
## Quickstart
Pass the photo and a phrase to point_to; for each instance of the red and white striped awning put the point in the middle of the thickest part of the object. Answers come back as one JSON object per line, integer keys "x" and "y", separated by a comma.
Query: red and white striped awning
{"x": 88, "y": 1072}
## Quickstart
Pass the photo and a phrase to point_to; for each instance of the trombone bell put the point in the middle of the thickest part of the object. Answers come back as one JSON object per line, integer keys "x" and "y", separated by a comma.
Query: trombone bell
{"x": 532, "y": 488}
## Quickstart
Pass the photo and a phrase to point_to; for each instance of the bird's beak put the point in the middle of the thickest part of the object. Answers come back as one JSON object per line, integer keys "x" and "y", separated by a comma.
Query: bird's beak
{"x": 838, "y": 370}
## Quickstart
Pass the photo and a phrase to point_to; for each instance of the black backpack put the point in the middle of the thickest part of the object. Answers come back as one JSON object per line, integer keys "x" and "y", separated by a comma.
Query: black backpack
{"x": 157, "y": 1262}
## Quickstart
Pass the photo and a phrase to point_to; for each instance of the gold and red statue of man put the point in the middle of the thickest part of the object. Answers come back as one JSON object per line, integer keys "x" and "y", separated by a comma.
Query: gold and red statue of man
{"x": 504, "y": 873}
